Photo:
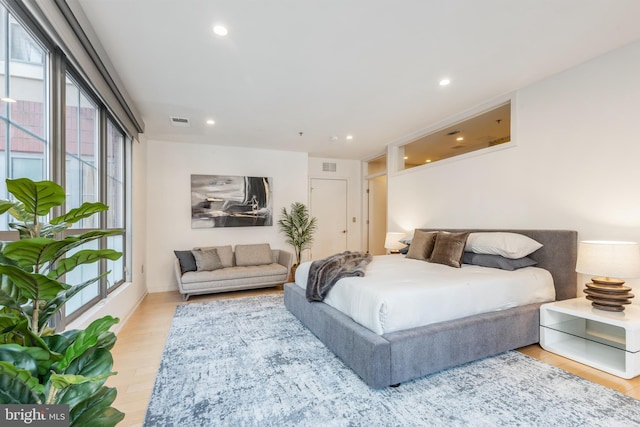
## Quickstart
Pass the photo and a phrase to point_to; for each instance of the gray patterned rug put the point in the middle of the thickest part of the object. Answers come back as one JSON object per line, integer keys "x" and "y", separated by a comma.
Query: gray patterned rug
{"x": 249, "y": 362}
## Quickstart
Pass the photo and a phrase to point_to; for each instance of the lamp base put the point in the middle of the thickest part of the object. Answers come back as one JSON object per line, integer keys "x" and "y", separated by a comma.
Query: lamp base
{"x": 608, "y": 294}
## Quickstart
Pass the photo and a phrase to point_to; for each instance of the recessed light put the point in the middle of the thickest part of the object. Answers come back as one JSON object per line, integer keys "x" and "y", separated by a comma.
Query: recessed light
{"x": 5, "y": 99}
{"x": 459, "y": 138}
{"x": 428, "y": 161}
{"x": 211, "y": 122}
{"x": 406, "y": 157}
{"x": 349, "y": 136}
{"x": 445, "y": 82}
{"x": 220, "y": 30}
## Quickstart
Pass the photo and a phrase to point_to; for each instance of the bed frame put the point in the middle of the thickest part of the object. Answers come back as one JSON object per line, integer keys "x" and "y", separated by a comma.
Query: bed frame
{"x": 390, "y": 359}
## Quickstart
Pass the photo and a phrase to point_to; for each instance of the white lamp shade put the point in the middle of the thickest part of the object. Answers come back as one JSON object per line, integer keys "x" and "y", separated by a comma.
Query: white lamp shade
{"x": 620, "y": 260}
{"x": 392, "y": 242}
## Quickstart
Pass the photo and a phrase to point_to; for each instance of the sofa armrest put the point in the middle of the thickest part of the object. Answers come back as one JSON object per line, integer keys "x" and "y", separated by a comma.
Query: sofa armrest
{"x": 285, "y": 258}
{"x": 178, "y": 272}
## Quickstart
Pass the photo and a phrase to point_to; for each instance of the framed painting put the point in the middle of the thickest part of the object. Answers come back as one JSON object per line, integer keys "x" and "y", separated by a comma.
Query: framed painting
{"x": 230, "y": 201}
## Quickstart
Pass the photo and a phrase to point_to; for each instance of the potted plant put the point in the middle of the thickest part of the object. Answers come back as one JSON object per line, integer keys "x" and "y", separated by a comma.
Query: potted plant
{"x": 39, "y": 365}
{"x": 299, "y": 228}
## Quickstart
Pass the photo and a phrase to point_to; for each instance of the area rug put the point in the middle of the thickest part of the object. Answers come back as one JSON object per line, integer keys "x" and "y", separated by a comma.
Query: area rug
{"x": 249, "y": 362}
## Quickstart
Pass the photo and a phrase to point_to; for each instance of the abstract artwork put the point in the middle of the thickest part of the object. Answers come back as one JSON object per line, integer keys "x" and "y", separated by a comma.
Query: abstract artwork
{"x": 230, "y": 201}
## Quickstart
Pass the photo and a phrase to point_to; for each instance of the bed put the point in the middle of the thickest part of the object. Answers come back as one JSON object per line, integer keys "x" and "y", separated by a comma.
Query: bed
{"x": 390, "y": 358}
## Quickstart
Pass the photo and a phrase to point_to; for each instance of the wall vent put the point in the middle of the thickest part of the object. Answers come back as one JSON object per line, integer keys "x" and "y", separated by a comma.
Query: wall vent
{"x": 328, "y": 167}
{"x": 180, "y": 122}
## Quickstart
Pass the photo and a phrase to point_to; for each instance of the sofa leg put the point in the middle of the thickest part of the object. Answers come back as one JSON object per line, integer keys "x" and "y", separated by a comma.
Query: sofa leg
{"x": 395, "y": 385}
{"x": 185, "y": 297}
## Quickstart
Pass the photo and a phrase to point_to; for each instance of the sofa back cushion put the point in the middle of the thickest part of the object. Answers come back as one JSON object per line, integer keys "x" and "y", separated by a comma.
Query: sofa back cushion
{"x": 259, "y": 254}
{"x": 225, "y": 253}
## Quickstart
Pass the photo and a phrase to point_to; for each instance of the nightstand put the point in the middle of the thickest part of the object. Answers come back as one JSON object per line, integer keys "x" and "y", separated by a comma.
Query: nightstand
{"x": 609, "y": 341}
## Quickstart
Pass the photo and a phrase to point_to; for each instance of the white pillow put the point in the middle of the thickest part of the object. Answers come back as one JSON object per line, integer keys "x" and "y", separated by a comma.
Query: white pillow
{"x": 509, "y": 245}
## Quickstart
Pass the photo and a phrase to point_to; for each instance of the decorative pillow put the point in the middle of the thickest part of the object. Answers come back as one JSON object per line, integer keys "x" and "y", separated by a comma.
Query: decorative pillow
{"x": 497, "y": 261}
{"x": 422, "y": 244}
{"x": 449, "y": 249}
{"x": 254, "y": 254}
{"x": 224, "y": 252}
{"x": 187, "y": 261}
{"x": 509, "y": 245}
{"x": 207, "y": 260}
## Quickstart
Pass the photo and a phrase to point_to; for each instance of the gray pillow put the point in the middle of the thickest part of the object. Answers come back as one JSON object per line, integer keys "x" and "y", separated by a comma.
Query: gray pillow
{"x": 449, "y": 249}
{"x": 224, "y": 252}
{"x": 186, "y": 260}
{"x": 497, "y": 261}
{"x": 259, "y": 254}
{"x": 207, "y": 260}
{"x": 422, "y": 244}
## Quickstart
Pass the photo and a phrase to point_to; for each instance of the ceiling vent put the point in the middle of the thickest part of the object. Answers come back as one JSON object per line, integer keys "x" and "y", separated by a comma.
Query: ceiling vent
{"x": 328, "y": 167}
{"x": 180, "y": 122}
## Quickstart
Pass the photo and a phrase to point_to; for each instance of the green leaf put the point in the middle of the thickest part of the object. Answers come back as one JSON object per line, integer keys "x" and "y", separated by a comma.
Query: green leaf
{"x": 40, "y": 251}
{"x": 38, "y": 197}
{"x": 85, "y": 340}
{"x": 33, "y": 252}
{"x": 15, "y": 329}
{"x": 19, "y": 212}
{"x": 57, "y": 343}
{"x": 52, "y": 306}
{"x": 96, "y": 410}
{"x": 19, "y": 386}
{"x": 19, "y": 357}
{"x": 84, "y": 211}
{"x": 10, "y": 296}
{"x": 33, "y": 285}
{"x": 72, "y": 242}
{"x": 62, "y": 381}
{"x": 87, "y": 256}
{"x": 51, "y": 231}
{"x": 5, "y": 205}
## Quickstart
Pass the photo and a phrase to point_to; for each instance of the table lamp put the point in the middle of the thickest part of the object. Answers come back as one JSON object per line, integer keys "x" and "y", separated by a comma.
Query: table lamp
{"x": 611, "y": 262}
{"x": 392, "y": 242}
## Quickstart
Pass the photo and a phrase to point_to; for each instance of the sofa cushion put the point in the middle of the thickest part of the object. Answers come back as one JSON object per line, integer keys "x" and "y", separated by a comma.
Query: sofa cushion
{"x": 236, "y": 273}
{"x": 259, "y": 254}
{"x": 187, "y": 261}
{"x": 207, "y": 260}
{"x": 224, "y": 252}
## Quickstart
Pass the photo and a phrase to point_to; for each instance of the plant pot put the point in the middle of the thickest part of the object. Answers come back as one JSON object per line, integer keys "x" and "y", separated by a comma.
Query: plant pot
{"x": 292, "y": 273}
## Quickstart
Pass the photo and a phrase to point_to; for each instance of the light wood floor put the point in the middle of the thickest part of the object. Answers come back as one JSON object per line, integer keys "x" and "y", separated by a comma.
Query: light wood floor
{"x": 141, "y": 341}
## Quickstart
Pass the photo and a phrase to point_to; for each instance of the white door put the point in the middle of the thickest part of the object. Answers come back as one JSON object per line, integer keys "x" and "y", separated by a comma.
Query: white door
{"x": 329, "y": 206}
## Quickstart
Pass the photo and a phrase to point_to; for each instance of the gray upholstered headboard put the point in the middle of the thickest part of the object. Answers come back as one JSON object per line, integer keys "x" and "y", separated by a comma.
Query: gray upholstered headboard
{"x": 557, "y": 255}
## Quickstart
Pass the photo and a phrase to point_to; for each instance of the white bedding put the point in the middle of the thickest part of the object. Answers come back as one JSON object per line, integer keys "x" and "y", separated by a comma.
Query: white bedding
{"x": 399, "y": 293}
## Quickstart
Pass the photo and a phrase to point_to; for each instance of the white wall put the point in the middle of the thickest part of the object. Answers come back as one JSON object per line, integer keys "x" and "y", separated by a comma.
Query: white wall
{"x": 351, "y": 171}
{"x": 169, "y": 169}
{"x": 575, "y": 165}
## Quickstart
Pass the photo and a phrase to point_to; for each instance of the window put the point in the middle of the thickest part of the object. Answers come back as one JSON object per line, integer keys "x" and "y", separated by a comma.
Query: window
{"x": 116, "y": 200}
{"x": 484, "y": 130}
{"x": 89, "y": 163}
{"x": 82, "y": 148}
{"x": 24, "y": 144}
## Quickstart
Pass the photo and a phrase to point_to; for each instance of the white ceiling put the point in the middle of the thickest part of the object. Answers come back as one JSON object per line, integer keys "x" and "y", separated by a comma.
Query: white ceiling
{"x": 369, "y": 68}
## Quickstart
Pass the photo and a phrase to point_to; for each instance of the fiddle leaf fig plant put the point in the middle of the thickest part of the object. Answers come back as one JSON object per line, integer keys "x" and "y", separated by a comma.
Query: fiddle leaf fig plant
{"x": 37, "y": 364}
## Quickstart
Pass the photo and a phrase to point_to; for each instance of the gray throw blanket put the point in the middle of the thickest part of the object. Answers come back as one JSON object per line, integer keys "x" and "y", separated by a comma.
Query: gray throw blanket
{"x": 324, "y": 273}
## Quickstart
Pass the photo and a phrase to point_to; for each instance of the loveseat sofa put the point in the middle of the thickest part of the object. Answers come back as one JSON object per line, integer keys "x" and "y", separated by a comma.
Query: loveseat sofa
{"x": 214, "y": 269}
